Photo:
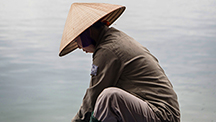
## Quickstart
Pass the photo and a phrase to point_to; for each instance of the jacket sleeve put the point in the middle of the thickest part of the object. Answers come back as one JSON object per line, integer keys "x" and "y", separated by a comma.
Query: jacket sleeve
{"x": 107, "y": 68}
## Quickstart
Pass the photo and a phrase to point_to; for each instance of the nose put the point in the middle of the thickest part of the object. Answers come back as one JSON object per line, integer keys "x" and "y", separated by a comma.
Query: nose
{"x": 79, "y": 47}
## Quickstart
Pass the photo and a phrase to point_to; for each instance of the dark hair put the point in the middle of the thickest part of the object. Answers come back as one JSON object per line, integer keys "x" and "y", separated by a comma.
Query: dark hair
{"x": 98, "y": 24}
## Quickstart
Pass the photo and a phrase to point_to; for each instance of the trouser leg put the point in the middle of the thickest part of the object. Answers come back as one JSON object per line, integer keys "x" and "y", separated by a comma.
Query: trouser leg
{"x": 116, "y": 105}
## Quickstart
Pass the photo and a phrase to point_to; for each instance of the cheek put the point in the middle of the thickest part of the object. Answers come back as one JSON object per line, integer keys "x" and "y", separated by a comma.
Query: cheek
{"x": 86, "y": 48}
{"x": 89, "y": 48}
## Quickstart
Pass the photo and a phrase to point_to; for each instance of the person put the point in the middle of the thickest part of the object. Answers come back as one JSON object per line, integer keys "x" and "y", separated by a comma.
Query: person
{"x": 127, "y": 83}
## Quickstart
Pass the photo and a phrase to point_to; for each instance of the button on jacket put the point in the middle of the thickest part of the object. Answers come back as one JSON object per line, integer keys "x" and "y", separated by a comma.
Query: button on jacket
{"x": 120, "y": 61}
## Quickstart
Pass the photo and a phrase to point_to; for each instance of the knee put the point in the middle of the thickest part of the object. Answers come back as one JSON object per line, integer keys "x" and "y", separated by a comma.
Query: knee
{"x": 106, "y": 103}
{"x": 109, "y": 94}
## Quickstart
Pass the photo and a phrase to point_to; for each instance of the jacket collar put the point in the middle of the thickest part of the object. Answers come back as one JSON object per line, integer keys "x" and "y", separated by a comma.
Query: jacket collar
{"x": 101, "y": 35}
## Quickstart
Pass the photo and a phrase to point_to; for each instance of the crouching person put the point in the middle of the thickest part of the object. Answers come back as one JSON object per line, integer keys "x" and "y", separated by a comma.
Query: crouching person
{"x": 127, "y": 83}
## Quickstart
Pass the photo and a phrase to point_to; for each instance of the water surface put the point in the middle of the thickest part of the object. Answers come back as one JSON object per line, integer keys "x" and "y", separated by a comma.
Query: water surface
{"x": 37, "y": 85}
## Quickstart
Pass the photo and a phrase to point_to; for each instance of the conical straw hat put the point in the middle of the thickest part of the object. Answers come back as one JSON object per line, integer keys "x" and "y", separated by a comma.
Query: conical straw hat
{"x": 81, "y": 16}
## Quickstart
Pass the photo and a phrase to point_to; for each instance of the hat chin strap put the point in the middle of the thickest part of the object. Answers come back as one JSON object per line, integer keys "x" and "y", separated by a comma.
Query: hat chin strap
{"x": 86, "y": 38}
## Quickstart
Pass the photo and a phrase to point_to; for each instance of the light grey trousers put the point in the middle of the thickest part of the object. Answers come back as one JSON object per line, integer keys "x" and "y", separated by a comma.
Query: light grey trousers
{"x": 117, "y": 105}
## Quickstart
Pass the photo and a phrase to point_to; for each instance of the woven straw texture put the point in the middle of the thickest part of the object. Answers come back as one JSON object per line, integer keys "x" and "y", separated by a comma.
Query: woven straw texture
{"x": 81, "y": 16}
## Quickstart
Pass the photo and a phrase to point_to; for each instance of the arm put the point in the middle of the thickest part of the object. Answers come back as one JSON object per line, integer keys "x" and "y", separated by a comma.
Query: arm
{"x": 109, "y": 69}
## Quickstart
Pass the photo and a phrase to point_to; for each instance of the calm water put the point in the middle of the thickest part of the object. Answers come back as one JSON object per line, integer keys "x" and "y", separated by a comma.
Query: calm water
{"x": 38, "y": 86}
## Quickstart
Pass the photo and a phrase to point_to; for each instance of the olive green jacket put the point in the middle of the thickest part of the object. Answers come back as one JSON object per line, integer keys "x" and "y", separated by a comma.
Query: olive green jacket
{"x": 120, "y": 61}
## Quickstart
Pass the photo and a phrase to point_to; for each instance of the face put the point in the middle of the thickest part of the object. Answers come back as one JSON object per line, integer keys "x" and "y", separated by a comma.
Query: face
{"x": 88, "y": 49}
